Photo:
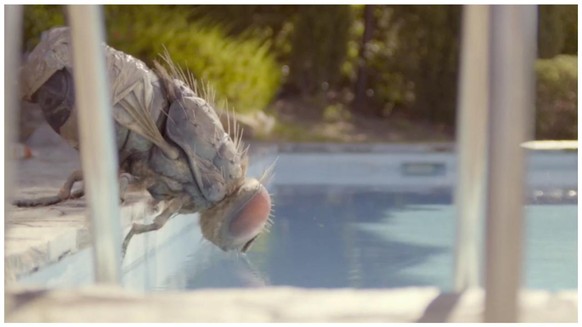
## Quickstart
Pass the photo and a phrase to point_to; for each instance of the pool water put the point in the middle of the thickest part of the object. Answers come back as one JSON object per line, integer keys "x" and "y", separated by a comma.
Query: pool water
{"x": 357, "y": 220}
{"x": 336, "y": 237}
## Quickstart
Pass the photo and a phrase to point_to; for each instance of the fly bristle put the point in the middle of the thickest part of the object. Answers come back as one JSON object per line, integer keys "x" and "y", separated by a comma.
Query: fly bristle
{"x": 211, "y": 95}
{"x": 268, "y": 224}
{"x": 192, "y": 82}
{"x": 245, "y": 151}
{"x": 195, "y": 88}
{"x": 228, "y": 121}
{"x": 234, "y": 130}
{"x": 177, "y": 72}
{"x": 269, "y": 173}
{"x": 239, "y": 143}
{"x": 207, "y": 93}
{"x": 204, "y": 91}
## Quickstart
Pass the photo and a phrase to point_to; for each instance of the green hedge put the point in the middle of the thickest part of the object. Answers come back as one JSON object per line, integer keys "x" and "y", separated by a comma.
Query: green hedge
{"x": 240, "y": 69}
{"x": 557, "y": 98}
{"x": 37, "y": 19}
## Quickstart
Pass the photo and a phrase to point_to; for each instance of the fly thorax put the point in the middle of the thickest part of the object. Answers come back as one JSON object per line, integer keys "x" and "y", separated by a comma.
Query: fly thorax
{"x": 173, "y": 178}
{"x": 213, "y": 159}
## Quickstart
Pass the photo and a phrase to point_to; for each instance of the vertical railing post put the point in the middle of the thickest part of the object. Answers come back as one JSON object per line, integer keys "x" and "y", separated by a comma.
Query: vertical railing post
{"x": 98, "y": 155}
{"x": 13, "y": 52}
{"x": 471, "y": 143}
{"x": 513, "y": 52}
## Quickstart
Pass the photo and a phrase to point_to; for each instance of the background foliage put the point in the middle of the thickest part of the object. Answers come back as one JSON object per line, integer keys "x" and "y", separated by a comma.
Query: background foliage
{"x": 379, "y": 61}
{"x": 241, "y": 70}
{"x": 557, "y": 89}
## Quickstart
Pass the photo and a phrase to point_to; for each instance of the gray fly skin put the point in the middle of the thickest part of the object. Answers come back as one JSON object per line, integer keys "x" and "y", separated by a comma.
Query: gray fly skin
{"x": 169, "y": 140}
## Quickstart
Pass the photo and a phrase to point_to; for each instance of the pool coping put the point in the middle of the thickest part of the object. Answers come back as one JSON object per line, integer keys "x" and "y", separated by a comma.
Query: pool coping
{"x": 319, "y": 147}
{"x": 102, "y": 303}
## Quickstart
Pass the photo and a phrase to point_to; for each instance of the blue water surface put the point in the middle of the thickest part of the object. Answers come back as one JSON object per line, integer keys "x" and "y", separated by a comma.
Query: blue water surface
{"x": 330, "y": 237}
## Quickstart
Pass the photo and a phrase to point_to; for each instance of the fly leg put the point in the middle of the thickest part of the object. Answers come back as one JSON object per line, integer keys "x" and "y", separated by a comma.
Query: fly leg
{"x": 64, "y": 193}
{"x": 125, "y": 179}
{"x": 159, "y": 222}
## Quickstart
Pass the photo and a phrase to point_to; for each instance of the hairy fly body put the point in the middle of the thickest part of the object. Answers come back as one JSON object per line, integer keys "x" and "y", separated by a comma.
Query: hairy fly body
{"x": 169, "y": 138}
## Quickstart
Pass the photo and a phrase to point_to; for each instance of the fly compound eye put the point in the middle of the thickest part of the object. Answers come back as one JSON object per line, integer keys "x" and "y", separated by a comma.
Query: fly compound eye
{"x": 247, "y": 223}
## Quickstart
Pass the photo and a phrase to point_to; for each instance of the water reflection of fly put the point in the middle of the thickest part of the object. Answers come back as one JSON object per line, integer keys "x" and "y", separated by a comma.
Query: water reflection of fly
{"x": 212, "y": 268}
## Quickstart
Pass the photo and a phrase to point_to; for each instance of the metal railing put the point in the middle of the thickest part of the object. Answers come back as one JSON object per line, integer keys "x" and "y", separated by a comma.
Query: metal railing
{"x": 13, "y": 49}
{"x": 513, "y": 53}
{"x": 497, "y": 71}
{"x": 98, "y": 150}
{"x": 471, "y": 143}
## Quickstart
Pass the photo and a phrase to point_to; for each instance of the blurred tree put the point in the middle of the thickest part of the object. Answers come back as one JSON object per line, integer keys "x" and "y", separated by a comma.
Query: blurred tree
{"x": 414, "y": 57}
{"x": 360, "y": 97}
{"x": 551, "y": 34}
{"x": 37, "y": 19}
{"x": 557, "y": 98}
{"x": 265, "y": 22}
{"x": 557, "y": 30}
{"x": 570, "y": 17}
{"x": 238, "y": 19}
{"x": 395, "y": 59}
{"x": 319, "y": 48}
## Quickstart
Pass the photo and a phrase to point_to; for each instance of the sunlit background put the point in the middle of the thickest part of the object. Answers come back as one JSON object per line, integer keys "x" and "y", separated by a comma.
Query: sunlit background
{"x": 360, "y": 73}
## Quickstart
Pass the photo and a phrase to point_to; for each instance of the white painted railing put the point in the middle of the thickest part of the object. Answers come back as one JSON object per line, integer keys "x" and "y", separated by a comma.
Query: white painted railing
{"x": 497, "y": 71}
{"x": 98, "y": 151}
{"x": 473, "y": 101}
{"x": 513, "y": 53}
{"x": 13, "y": 46}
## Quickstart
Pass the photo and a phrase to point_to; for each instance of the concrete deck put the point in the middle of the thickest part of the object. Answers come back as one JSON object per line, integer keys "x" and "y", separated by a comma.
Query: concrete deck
{"x": 37, "y": 237}
{"x": 280, "y": 304}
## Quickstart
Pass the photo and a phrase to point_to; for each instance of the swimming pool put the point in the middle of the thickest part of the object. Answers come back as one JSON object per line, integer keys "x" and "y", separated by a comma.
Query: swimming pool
{"x": 330, "y": 238}
{"x": 361, "y": 220}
